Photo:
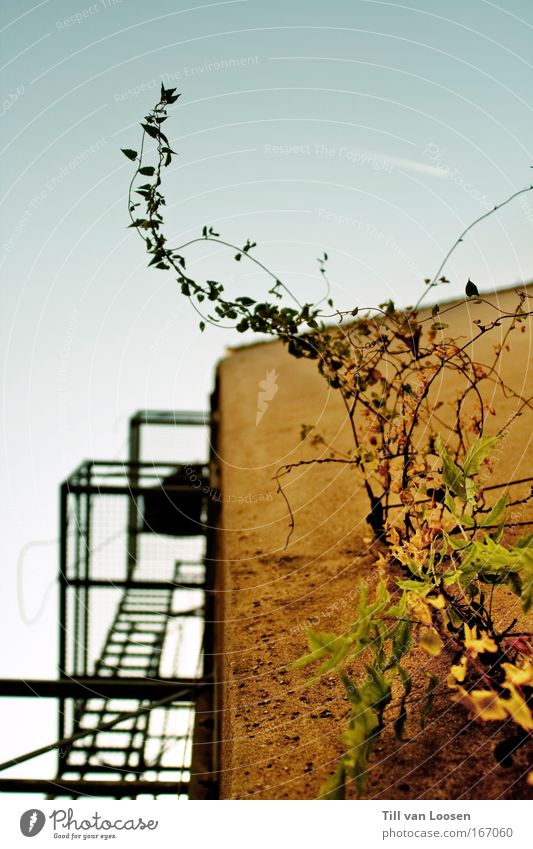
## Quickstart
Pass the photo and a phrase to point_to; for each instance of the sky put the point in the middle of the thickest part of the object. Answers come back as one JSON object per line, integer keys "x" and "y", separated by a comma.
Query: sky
{"x": 375, "y": 131}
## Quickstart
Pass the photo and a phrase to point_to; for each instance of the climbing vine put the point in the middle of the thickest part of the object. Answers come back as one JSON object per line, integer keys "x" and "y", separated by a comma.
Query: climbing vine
{"x": 447, "y": 537}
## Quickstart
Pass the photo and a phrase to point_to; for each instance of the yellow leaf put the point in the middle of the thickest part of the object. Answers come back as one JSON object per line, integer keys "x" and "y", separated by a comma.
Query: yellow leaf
{"x": 437, "y": 602}
{"x": 530, "y": 779}
{"x": 470, "y": 633}
{"x": 517, "y": 709}
{"x": 419, "y": 610}
{"x": 393, "y": 536}
{"x": 478, "y": 645}
{"x": 431, "y": 642}
{"x": 458, "y": 672}
{"x": 485, "y": 704}
{"x": 518, "y": 676}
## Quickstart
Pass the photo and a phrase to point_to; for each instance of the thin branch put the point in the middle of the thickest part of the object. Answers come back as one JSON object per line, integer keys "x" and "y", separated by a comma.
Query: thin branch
{"x": 460, "y": 238}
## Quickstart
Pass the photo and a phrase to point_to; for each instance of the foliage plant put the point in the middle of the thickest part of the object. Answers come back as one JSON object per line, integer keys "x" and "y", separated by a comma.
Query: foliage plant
{"x": 447, "y": 539}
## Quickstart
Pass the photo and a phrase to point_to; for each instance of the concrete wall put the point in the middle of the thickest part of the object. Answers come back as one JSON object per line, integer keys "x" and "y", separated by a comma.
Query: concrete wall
{"x": 280, "y": 737}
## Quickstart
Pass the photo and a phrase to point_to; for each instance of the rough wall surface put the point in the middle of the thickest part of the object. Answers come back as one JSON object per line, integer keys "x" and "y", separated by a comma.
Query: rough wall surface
{"x": 280, "y": 736}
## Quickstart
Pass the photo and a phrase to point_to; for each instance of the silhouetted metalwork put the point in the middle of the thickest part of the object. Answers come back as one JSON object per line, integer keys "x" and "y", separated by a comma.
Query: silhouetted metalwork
{"x": 136, "y": 675}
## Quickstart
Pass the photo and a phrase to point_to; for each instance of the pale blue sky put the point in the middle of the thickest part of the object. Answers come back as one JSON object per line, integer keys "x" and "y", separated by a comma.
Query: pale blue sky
{"x": 374, "y": 130}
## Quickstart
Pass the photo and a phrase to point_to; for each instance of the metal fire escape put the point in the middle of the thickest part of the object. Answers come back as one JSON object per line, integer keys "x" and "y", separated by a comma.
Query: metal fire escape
{"x": 136, "y": 687}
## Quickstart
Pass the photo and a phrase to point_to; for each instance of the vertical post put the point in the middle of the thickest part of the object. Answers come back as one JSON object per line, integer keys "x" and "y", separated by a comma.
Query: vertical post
{"x": 62, "y": 666}
{"x": 75, "y": 596}
{"x": 204, "y": 765}
{"x": 86, "y": 573}
{"x": 133, "y": 477}
{"x": 213, "y": 611}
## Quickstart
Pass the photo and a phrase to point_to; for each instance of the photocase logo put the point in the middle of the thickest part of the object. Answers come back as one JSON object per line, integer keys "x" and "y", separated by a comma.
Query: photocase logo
{"x": 32, "y": 822}
{"x": 267, "y": 391}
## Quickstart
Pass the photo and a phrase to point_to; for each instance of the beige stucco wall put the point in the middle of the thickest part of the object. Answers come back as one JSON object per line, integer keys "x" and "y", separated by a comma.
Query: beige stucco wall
{"x": 280, "y": 737}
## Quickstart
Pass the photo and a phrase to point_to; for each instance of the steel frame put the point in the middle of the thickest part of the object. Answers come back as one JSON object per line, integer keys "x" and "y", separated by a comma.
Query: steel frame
{"x": 128, "y": 667}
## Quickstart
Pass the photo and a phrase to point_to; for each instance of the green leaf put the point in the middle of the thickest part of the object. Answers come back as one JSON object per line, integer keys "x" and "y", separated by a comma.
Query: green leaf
{"x": 454, "y": 618}
{"x": 453, "y": 476}
{"x": 401, "y": 641}
{"x": 462, "y": 518}
{"x": 524, "y": 549}
{"x": 431, "y": 642}
{"x": 407, "y": 683}
{"x": 497, "y": 512}
{"x": 361, "y": 734}
{"x": 131, "y": 154}
{"x": 168, "y": 157}
{"x": 320, "y": 644}
{"x": 524, "y": 542}
{"x": 339, "y": 651}
{"x": 416, "y": 587}
{"x": 398, "y": 610}
{"x": 526, "y": 593}
{"x": 488, "y": 561}
{"x": 381, "y": 599}
{"x": 319, "y": 640}
{"x": 334, "y": 787}
{"x": 429, "y": 698}
{"x": 148, "y": 171}
{"x": 478, "y": 452}
{"x": 471, "y": 289}
{"x": 152, "y": 131}
{"x": 167, "y": 95}
{"x": 377, "y": 690}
